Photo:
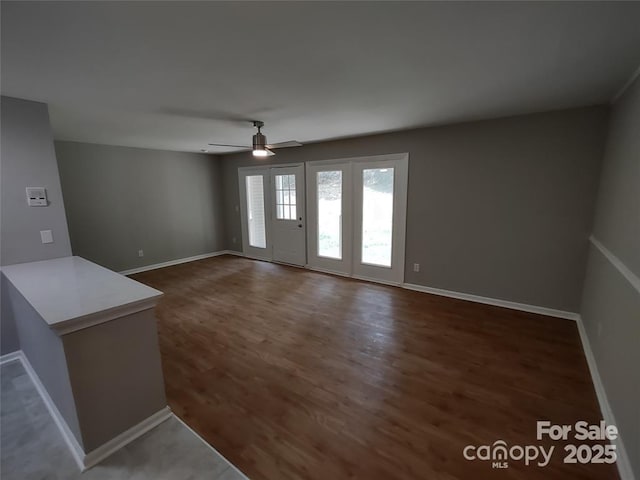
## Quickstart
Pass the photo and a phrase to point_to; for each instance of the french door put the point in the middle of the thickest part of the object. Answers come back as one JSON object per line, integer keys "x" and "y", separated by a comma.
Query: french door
{"x": 380, "y": 202}
{"x": 356, "y": 212}
{"x": 331, "y": 216}
{"x": 288, "y": 215}
{"x": 357, "y": 216}
{"x": 272, "y": 206}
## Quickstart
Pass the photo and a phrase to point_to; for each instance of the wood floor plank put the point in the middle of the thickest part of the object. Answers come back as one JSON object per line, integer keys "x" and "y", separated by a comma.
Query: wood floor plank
{"x": 293, "y": 374}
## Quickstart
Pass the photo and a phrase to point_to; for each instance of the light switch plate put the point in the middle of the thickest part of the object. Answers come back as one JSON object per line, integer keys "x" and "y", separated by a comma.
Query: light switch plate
{"x": 36, "y": 196}
{"x": 46, "y": 236}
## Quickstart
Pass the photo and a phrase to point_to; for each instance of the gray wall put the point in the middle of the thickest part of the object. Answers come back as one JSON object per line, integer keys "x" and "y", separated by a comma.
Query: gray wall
{"x": 44, "y": 349}
{"x": 498, "y": 208}
{"x": 120, "y": 200}
{"x": 9, "y": 341}
{"x": 28, "y": 159}
{"x": 610, "y": 303}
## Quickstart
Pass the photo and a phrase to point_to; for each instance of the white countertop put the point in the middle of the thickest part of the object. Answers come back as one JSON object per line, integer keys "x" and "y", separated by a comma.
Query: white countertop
{"x": 71, "y": 293}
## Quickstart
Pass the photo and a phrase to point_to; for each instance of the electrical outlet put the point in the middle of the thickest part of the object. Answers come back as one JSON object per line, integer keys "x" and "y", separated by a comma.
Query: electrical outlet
{"x": 141, "y": 253}
{"x": 416, "y": 267}
{"x": 233, "y": 240}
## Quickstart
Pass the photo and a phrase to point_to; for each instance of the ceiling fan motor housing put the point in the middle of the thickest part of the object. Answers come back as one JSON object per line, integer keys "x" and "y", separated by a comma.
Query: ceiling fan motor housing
{"x": 259, "y": 141}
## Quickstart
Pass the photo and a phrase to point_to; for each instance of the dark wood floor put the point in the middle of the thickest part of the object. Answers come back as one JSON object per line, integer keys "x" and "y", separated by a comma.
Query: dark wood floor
{"x": 293, "y": 374}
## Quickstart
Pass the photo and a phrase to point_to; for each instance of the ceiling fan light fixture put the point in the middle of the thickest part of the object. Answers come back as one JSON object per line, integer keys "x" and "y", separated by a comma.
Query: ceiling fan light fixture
{"x": 260, "y": 147}
{"x": 260, "y": 152}
{"x": 259, "y": 142}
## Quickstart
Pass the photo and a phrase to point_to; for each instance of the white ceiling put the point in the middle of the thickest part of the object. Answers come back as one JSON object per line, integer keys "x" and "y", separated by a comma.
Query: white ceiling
{"x": 178, "y": 75}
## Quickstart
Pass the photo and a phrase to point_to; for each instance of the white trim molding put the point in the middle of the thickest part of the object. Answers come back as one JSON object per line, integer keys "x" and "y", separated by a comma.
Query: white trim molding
{"x": 631, "y": 277}
{"x": 550, "y": 312}
{"x": 365, "y": 278}
{"x": 327, "y": 271}
{"x": 69, "y": 438}
{"x": 623, "y": 463}
{"x": 103, "y": 451}
{"x": 10, "y": 357}
{"x": 85, "y": 460}
{"x": 170, "y": 263}
{"x": 628, "y": 83}
{"x": 90, "y": 320}
{"x": 234, "y": 252}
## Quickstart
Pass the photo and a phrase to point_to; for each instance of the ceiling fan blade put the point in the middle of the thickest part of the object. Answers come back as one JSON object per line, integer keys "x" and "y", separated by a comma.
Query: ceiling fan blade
{"x": 269, "y": 152}
{"x": 290, "y": 143}
{"x": 211, "y": 115}
{"x": 225, "y": 145}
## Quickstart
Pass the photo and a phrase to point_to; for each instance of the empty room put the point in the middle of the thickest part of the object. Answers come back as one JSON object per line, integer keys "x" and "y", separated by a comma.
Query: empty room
{"x": 320, "y": 240}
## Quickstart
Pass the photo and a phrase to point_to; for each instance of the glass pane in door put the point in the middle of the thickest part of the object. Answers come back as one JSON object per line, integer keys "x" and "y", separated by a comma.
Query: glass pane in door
{"x": 377, "y": 216}
{"x": 255, "y": 211}
{"x": 286, "y": 197}
{"x": 330, "y": 214}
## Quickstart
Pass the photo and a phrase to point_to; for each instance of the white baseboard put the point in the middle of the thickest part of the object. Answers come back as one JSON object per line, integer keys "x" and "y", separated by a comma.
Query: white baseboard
{"x": 494, "y": 301}
{"x": 328, "y": 271}
{"x": 85, "y": 460}
{"x": 623, "y": 463}
{"x": 376, "y": 280}
{"x": 231, "y": 252}
{"x": 96, "y": 456}
{"x": 173, "y": 262}
{"x": 69, "y": 438}
{"x": 419, "y": 288}
{"x": 251, "y": 257}
{"x": 11, "y": 357}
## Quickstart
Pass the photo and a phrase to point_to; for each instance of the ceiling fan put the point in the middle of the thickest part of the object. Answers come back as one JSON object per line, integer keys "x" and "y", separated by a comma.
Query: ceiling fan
{"x": 260, "y": 146}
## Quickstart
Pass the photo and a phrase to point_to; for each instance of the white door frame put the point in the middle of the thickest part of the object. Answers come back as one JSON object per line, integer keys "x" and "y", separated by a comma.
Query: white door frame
{"x": 400, "y": 162}
{"x": 395, "y": 274}
{"x": 326, "y": 264}
{"x": 289, "y": 233}
{"x": 265, "y": 171}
